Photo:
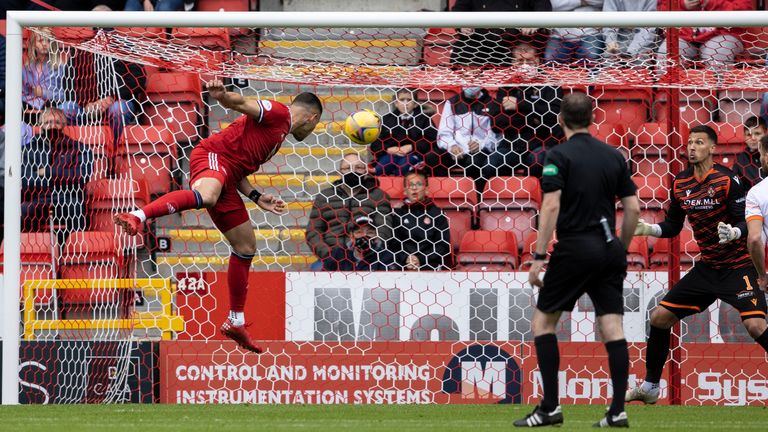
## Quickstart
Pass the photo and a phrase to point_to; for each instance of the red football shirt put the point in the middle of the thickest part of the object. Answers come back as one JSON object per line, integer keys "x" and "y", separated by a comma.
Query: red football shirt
{"x": 248, "y": 142}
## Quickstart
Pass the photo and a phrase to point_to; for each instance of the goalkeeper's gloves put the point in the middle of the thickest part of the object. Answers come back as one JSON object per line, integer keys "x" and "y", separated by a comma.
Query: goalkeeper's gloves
{"x": 727, "y": 232}
{"x": 646, "y": 229}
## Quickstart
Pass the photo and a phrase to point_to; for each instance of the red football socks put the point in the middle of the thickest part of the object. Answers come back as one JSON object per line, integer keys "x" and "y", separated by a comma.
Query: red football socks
{"x": 173, "y": 202}
{"x": 237, "y": 279}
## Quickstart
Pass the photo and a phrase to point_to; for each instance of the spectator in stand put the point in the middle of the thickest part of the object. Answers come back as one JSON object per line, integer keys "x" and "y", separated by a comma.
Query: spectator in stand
{"x": 747, "y": 165}
{"x": 715, "y": 46}
{"x": 483, "y": 46}
{"x": 154, "y": 5}
{"x": 43, "y": 73}
{"x": 407, "y": 137}
{"x": 104, "y": 87}
{"x": 629, "y": 45}
{"x": 422, "y": 238}
{"x": 361, "y": 250}
{"x": 567, "y": 45}
{"x": 55, "y": 169}
{"x": 527, "y": 115}
{"x": 334, "y": 207}
{"x": 466, "y": 133}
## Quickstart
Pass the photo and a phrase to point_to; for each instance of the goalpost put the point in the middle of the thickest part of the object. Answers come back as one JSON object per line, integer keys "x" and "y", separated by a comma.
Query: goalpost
{"x": 109, "y": 304}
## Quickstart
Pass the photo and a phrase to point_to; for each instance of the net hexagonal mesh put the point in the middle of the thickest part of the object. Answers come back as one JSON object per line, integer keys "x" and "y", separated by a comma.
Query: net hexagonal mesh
{"x": 473, "y": 109}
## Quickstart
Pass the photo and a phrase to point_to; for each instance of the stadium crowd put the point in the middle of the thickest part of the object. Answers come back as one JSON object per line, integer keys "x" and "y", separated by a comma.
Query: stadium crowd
{"x": 472, "y": 132}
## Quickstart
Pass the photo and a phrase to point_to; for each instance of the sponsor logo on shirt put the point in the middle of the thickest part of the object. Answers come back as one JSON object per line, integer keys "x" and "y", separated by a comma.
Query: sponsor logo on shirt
{"x": 550, "y": 170}
{"x": 267, "y": 105}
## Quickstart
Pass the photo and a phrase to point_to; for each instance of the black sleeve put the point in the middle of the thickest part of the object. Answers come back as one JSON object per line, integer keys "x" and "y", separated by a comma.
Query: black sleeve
{"x": 554, "y": 96}
{"x": 427, "y": 130}
{"x": 331, "y": 262}
{"x": 440, "y": 256}
{"x": 626, "y": 186}
{"x": 675, "y": 218}
{"x": 555, "y": 171}
{"x": 395, "y": 244}
{"x": 736, "y": 202}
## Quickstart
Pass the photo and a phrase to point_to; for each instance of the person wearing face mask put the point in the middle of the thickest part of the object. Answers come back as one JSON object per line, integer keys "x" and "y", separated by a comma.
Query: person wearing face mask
{"x": 55, "y": 169}
{"x": 422, "y": 237}
{"x": 361, "y": 250}
{"x": 527, "y": 116}
{"x": 356, "y": 192}
{"x": 406, "y": 139}
{"x": 466, "y": 133}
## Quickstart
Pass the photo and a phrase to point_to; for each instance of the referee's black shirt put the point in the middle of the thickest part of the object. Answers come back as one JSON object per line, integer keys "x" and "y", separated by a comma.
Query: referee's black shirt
{"x": 591, "y": 175}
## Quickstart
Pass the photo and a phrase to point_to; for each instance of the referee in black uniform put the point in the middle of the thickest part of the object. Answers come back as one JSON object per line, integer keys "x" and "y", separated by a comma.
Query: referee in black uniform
{"x": 584, "y": 177}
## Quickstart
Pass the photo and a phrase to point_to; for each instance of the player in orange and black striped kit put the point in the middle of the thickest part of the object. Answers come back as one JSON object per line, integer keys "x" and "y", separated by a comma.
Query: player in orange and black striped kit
{"x": 713, "y": 199}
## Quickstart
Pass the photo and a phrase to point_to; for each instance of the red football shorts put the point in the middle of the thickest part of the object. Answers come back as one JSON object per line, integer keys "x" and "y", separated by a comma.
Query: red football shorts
{"x": 229, "y": 210}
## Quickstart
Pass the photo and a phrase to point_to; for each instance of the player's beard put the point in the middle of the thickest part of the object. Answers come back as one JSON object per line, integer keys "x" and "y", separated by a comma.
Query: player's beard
{"x": 301, "y": 133}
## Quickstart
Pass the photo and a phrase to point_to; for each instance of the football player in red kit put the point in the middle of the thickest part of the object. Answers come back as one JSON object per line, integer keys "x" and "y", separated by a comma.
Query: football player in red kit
{"x": 218, "y": 169}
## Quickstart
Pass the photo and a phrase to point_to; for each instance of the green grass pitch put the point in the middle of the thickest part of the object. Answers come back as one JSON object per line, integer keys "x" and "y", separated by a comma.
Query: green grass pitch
{"x": 422, "y": 418}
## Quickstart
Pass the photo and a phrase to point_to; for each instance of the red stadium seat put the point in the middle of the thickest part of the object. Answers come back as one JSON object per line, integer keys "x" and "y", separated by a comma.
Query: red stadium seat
{"x": 207, "y": 37}
{"x": 392, "y": 186}
{"x": 736, "y": 106}
{"x": 142, "y": 32}
{"x": 481, "y": 249}
{"x": 612, "y": 134}
{"x": 529, "y": 246}
{"x": 696, "y": 105}
{"x": 458, "y": 198}
{"x": 637, "y": 254}
{"x": 625, "y": 106}
{"x": 653, "y": 192}
{"x": 174, "y": 87}
{"x": 223, "y": 5}
{"x": 39, "y": 259}
{"x": 181, "y": 118}
{"x": 689, "y": 251}
{"x": 149, "y": 152}
{"x": 88, "y": 255}
{"x": 108, "y": 196}
{"x": 510, "y": 204}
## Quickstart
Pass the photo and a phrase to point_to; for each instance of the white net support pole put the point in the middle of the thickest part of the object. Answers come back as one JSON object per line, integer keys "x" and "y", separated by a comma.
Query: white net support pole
{"x": 9, "y": 301}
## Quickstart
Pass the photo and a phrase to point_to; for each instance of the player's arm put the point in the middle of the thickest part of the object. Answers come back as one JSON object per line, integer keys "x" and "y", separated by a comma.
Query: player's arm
{"x": 735, "y": 205}
{"x": 266, "y": 201}
{"x": 753, "y": 212}
{"x": 631, "y": 207}
{"x": 672, "y": 225}
{"x": 231, "y": 100}
{"x": 756, "y": 247}
{"x": 550, "y": 210}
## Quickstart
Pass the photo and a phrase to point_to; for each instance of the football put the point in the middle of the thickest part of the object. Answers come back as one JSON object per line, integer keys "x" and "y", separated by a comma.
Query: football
{"x": 363, "y": 127}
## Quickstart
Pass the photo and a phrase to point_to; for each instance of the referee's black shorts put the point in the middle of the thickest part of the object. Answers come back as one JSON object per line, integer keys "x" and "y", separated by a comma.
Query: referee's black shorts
{"x": 702, "y": 285}
{"x": 585, "y": 263}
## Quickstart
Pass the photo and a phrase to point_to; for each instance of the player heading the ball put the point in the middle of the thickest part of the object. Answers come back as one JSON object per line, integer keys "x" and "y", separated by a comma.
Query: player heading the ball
{"x": 218, "y": 170}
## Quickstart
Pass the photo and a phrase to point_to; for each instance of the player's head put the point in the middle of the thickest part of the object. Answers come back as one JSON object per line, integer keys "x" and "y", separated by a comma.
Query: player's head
{"x": 415, "y": 185}
{"x": 576, "y": 111}
{"x": 306, "y": 110}
{"x": 754, "y": 129}
{"x": 404, "y": 101}
{"x": 702, "y": 140}
{"x": 525, "y": 54}
{"x": 763, "y": 149}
